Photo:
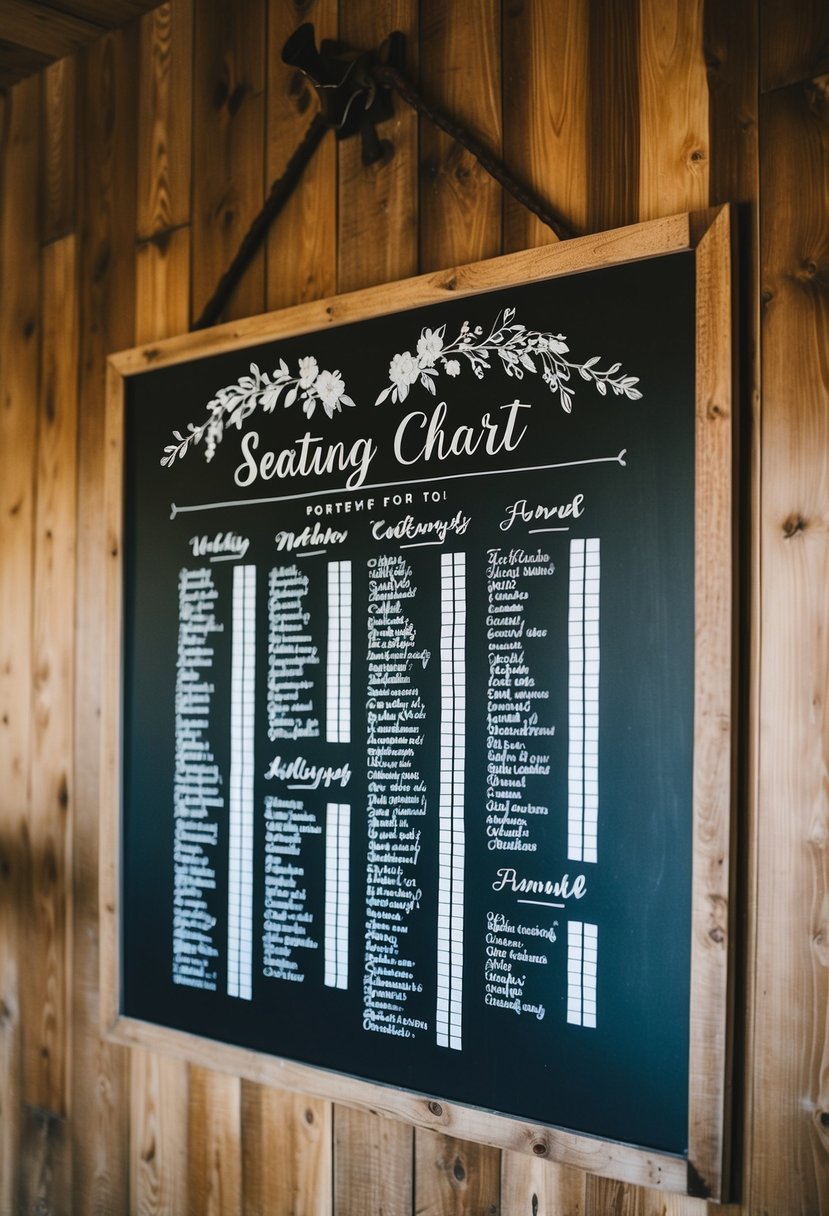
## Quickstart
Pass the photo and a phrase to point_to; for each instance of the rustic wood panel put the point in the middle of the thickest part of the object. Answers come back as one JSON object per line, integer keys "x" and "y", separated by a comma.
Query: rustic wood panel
{"x": 45, "y": 29}
{"x": 159, "y": 1086}
{"x": 533, "y": 1187}
{"x": 545, "y": 89}
{"x": 107, "y": 167}
{"x": 45, "y": 997}
{"x": 159, "y": 1097}
{"x": 19, "y": 348}
{"x": 372, "y": 1164}
{"x": 164, "y": 150}
{"x": 302, "y": 243}
{"x": 378, "y": 203}
{"x": 613, "y": 114}
{"x": 455, "y": 1178}
{"x": 60, "y": 153}
{"x": 228, "y": 148}
{"x": 215, "y": 1140}
{"x": 673, "y": 99}
{"x": 287, "y": 1153}
{"x": 795, "y": 45}
{"x": 460, "y": 205}
{"x": 791, "y": 1028}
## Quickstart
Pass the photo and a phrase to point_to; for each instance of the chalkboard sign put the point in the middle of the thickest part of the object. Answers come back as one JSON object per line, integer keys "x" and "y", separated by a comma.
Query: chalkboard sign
{"x": 420, "y": 780}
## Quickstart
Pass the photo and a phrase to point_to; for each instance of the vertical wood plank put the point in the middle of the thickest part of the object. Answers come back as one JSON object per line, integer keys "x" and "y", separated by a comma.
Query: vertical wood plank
{"x": 158, "y": 1135}
{"x": 378, "y": 203}
{"x": 530, "y": 1187}
{"x": 19, "y": 345}
{"x": 460, "y": 205}
{"x": 45, "y": 938}
{"x": 455, "y": 1178}
{"x": 59, "y": 83}
{"x": 228, "y": 147}
{"x": 372, "y": 1165}
{"x": 287, "y": 1153}
{"x": 159, "y": 1085}
{"x": 107, "y": 128}
{"x": 673, "y": 93}
{"x": 215, "y": 1158}
{"x": 545, "y": 114}
{"x": 613, "y": 113}
{"x": 790, "y": 1066}
{"x": 795, "y": 42}
{"x": 164, "y": 123}
{"x": 302, "y": 243}
{"x": 731, "y": 49}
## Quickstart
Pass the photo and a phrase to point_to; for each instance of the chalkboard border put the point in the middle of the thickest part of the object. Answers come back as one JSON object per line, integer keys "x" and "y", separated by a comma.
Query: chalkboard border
{"x": 705, "y": 1172}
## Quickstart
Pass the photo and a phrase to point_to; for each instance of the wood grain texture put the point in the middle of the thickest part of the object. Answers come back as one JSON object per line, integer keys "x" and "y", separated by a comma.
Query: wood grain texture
{"x": 302, "y": 243}
{"x": 460, "y": 205}
{"x": 47, "y": 906}
{"x": 228, "y": 142}
{"x": 44, "y": 992}
{"x": 164, "y": 124}
{"x": 215, "y": 1145}
{"x": 613, "y": 114}
{"x": 107, "y": 168}
{"x": 372, "y": 1165}
{"x": 731, "y": 47}
{"x": 795, "y": 45}
{"x": 791, "y": 1025}
{"x": 378, "y": 203}
{"x": 714, "y": 726}
{"x": 44, "y": 29}
{"x": 531, "y": 1187}
{"x": 455, "y": 1178}
{"x": 19, "y": 350}
{"x": 545, "y": 57}
{"x": 159, "y": 1085}
{"x": 158, "y": 1135}
{"x": 287, "y": 1153}
{"x": 59, "y": 153}
{"x": 673, "y": 99}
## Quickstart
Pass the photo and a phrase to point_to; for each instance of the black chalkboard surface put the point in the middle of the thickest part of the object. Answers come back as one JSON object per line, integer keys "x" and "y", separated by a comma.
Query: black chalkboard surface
{"x": 408, "y": 699}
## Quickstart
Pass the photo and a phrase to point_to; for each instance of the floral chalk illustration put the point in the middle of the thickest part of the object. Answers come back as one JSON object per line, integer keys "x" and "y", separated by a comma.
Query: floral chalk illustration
{"x": 232, "y": 405}
{"x": 519, "y": 349}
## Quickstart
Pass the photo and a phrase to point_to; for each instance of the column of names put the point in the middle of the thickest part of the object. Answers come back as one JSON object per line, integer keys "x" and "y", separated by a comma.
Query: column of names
{"x": 396, "y": 799}
{"x": 197, "y": 796}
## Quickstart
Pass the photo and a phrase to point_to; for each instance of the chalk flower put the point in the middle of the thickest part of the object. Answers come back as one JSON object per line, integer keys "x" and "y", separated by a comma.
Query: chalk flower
{"x": 308, "y": 371}
{"x": 403, "y": 371}
{"x": 429, "y": 346}
{"x": 329, "y": 387}
{"x": 453, "y": 368}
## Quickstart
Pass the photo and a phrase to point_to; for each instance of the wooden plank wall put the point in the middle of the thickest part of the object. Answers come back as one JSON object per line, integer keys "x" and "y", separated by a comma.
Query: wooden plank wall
{"x": 129, "y": 173}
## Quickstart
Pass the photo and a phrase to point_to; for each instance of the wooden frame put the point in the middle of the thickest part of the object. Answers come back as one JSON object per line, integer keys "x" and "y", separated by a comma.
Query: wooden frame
{"x": 705, "y": 1172}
